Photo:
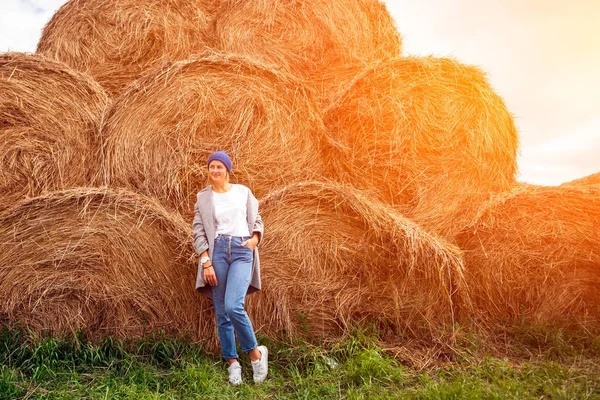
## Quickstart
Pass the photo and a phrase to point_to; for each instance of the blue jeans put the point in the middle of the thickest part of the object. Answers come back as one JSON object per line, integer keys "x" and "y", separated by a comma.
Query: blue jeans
{"x": 233, "y": 267}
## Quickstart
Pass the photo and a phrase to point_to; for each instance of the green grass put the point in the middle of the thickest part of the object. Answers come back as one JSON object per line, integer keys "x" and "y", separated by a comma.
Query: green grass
{"x": 165, "y": 368}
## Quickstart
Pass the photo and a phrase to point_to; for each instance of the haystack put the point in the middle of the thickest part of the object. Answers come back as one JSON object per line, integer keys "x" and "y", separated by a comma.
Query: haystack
{"x": 49, "y": 127}
{"x": 426, "y": 134}
{"x": 161, "y": 132}
{"x": 324, "y": 42}
{"x": 117, "y": 41}
{"x": 533, "y": 255}
{"x": 106, "y": 262}
{"x": 593, "y": 179}
{"x": 333, "y": 259}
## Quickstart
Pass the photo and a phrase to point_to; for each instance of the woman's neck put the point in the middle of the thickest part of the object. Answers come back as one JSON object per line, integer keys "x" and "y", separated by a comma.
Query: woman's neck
{"x": 221, "y": 187}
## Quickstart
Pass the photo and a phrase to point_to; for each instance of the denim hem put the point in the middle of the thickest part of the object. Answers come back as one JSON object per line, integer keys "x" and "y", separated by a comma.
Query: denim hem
{"x": 248, "y": 351}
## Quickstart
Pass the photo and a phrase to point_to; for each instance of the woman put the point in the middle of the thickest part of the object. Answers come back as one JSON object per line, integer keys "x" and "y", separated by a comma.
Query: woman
{"x": 227, "y": 229}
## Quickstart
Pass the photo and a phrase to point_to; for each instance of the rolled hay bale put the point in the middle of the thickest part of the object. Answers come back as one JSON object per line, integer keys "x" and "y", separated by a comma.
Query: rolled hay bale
{"x": 117, "y": 41}
{"x": 532, "y": 255}
{"x": 103, "y": 261}
{"x": 593, "y": 179}
{"x": 334, "y": 259}
{"x": 426, "y": 134}
{"x": 50, "y": 119}
{"x": 324, "y": 42}
{"x": 160, "y": 133}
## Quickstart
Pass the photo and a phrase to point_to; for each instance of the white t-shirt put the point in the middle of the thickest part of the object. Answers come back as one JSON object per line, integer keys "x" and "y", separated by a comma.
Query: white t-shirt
{"x": 231, "y": 211}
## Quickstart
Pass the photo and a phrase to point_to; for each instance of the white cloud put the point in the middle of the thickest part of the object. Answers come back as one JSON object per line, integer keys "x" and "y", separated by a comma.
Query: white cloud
{"x": 22, "y": 21}
{"x": 583, "y": 138}
{"x": 564, "y": 158}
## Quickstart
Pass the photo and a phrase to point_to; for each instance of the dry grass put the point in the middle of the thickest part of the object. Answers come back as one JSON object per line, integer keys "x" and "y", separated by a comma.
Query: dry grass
{"x": 592, "y": 179}
{"x": 107, "y": 262}
{"x": 49, "y": 127}
{"x": 333, "y": 259}
{"x": 321, "y": 41}
{"x": 117, "y": 41}
{"x": 428, "y": 135}
{"x": 533, "y": 254}
{"x": 162, "y": 130}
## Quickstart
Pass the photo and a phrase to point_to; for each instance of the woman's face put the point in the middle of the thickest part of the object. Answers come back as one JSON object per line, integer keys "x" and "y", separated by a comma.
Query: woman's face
{"x": 218, "y": 172}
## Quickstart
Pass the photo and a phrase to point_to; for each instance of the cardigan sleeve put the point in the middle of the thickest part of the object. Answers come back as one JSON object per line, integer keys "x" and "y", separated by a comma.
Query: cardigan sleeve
{"x": 200, "y": 240}
{"x": 259, "y": 227}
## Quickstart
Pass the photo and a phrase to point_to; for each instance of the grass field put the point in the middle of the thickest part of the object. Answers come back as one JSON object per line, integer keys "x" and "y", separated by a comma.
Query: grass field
{"x": 166, "y": 368}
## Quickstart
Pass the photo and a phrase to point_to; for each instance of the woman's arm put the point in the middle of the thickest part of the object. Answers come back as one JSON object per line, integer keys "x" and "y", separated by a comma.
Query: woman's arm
{"x": 209, "y": 272}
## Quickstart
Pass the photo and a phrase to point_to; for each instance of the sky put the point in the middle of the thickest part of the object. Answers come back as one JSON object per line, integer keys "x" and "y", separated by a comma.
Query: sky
{"x": 541, "y": 56}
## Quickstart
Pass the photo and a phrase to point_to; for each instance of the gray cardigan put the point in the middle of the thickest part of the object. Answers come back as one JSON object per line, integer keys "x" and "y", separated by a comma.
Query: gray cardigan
{"x": 204, "y": 235}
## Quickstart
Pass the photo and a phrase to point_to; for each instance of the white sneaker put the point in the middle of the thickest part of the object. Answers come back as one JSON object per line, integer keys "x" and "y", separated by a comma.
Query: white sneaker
{"x": 261, "y": 367}
{"x": 235, "y": 373}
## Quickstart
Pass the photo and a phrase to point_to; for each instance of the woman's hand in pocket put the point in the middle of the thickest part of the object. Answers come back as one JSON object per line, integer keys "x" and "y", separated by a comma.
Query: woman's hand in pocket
{"x": 251, "y": 243}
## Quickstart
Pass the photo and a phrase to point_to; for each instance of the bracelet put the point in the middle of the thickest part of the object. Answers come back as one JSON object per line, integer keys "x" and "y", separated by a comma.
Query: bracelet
{"x": 207, "y": 267}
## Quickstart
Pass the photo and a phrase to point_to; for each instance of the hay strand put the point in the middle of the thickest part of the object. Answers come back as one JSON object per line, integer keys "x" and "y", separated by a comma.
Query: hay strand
{"x": 50, "y": 119}
{"x": 102, "y": 261}
{"x": 426, "y": 134}
{"x": 117, "y": 41}
{"x": 532, "y": 255}
{"x": 334, "y": 259}
{"x": 319, "y": 41}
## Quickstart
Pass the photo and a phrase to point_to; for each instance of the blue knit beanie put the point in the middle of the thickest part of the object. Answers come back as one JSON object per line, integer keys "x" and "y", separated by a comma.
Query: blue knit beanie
{"x": 221, "y": 156}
